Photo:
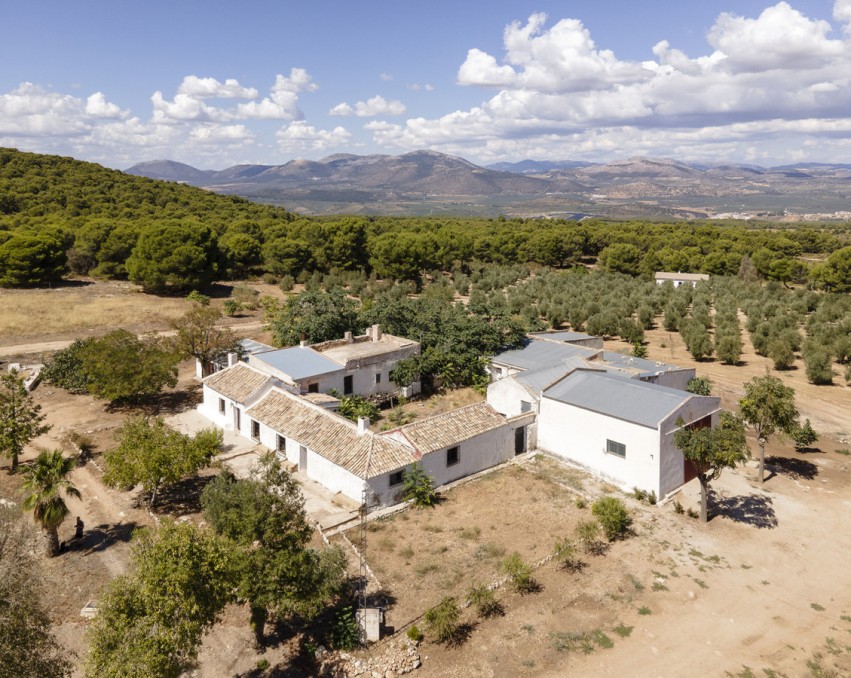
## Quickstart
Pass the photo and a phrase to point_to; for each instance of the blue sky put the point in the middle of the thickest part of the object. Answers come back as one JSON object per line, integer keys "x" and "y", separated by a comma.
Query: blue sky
{"x": 218, "y": 83}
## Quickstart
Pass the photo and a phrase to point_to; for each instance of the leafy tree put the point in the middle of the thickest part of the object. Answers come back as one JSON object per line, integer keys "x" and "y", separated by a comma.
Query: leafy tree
{"x": 818, "y": 365}
{"x": 20, "y": 418}
{"x": 354, "y": 407}
{"x": 804, "y": 436}
{"x": 444, "y": 620}
{"x": 780, "y": 352}
{"x": 711, "y": 450}
{"x": 151, "y": 621}
{"x": 835, "y": 274}
{"x": 613, "y": 517}
{"x": 122, "y": 367}
{"x": 264, "y": 517}
{"x": 406, "y": 372}
{"x": 699, "y": 386}
{"x": 27, "y": 260}
{"x": 313, "y": 316}
{"x": 45, "y": 483}
{"x": 768, "y": 406}
{"x": 153, "y": 455}
{"x": 418, "y": 487}
{"x": 65, "y": 369}
{"x": 728, "y": 347}
{"x": 28, "y": 647}
{"x": 198, "y": 335}
{"x": 621, "y": 258}
{"x": 170, "y": 257}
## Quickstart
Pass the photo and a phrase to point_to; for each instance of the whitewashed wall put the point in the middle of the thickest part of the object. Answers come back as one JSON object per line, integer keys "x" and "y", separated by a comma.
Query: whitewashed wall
{"x": 580, "y": 436}
{"x": 507, "y": 395}
{"x": 475, "y": 454}
{"x": 675, "y": 378}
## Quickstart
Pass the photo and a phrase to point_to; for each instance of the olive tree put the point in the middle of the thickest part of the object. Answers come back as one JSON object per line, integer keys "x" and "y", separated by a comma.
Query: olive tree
{"x": 768, "y": 406}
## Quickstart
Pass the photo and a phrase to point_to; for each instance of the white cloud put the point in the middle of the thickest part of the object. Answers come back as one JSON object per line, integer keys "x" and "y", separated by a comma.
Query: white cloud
{"x": 98, "y": 107}
{"x": 298, "y": 136}
{"x": 842, "y": 13}
{"x": 219, "y": 134}
{"x": 206, "y": 88}
{"x": 370, "y": 108}
{"x": 386, "y": 77}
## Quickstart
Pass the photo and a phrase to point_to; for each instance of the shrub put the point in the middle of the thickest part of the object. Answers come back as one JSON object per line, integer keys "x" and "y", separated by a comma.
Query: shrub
{"x": 345, "y": 631}
{"x": 418, "y": 487}
{"x": 66, "y": 369}
{"x": 804, "y": 436}
{"x": 354, "y": 407}
{"x": 287, "y": 283}
{"x": 781, "y": 353}
{"x": 198, "y": 298}
{"x": 246, "y": 296}
{"x": 231, "y": 307}
{"x": 519, "y": 573}
{"x": 414, "y": 633}
{"x": 613, "y": 516}
{"x": 818, "y": 365}
{"x": 699, "y": 386}
{"x": 566, "y": 556}
{"x": 485, "y": 602}
{"x": 588, "y": 533}
{"x": 444, "y": 620}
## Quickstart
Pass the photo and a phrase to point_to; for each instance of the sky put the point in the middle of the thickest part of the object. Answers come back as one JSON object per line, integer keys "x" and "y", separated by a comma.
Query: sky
{"x": 214, "y": 84}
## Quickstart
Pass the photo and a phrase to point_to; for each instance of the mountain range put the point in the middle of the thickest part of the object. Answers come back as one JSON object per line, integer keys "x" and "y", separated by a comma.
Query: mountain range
{"x": 424, "y": 182}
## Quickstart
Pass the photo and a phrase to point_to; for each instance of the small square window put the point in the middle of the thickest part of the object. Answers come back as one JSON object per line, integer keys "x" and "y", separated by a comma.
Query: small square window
{"x": 617, "y": 449}
{"x": 221, "y": 405}
{"x": 453, "y": 456}
{"x": 280, "y": 444}
{"x": 378, "y": 378}
{"x": 397, "y": 478}
{"x": 313, "y": 388}
{"x": 255, "y": 429}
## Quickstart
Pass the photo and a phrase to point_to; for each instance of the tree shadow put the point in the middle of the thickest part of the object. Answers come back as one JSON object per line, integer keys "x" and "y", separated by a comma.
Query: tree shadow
{"x": 798, "y": 469}
{"x": 752, "y": 509}
{"x": 101, "y": 537}
{"x": 182, "y": 498}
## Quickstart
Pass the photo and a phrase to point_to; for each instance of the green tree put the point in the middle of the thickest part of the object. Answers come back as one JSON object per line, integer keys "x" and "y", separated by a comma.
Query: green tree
{"x": 45, "y": 486}
{"x": 728, "y": 347}
{"x": 444, "y": 620}
{"x": 519, "y": 573}
{"x": 65, "y": 369}
{"x": 198, "y": 335}
{"x": 818, "y": 364}
{"x": 20, "y": 417}
{"x": 27, "y": 260}
{"x": 621, "y": 258}
{"x": 699, "y": 386}
{"x": 151, "y": 621}
{"x": 418, "y": 487}
{"x": 711, "y": 450}
{"x": 264, "y": 517}
{"x": 122, "y": 367}
{"x": 781, "y": 353}
{"x": 28, "y": 647}
{"x": 153, "y": 455}
{"x": 313, "y": 316}
{"x": 804, "y": 436}
{"x": 613, "y": 516}
{"x": 354, "y": 407}
{"x": 768, "y": 406}
{"x": 172, "y": 257}
{"x": 835, "y": 274}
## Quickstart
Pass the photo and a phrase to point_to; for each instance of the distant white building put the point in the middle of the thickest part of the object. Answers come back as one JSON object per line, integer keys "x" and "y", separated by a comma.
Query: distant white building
{"x": 678, "y": 279}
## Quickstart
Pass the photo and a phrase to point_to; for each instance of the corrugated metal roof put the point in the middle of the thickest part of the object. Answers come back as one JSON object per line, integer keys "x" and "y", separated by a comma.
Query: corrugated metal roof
{"x": 250, "y": 346}
{"x": 450, "y": 428}
{"x": 621, "y": 361}
{"x": 562, "y": 336}
{"x": 237, "y": 382}
{"x": 330, "y": 435}
{"x": 541, "y": 354}
{"x": 299, "y": 362}
{"x": 541, "y": 378}
{"x": 627, "y": 399}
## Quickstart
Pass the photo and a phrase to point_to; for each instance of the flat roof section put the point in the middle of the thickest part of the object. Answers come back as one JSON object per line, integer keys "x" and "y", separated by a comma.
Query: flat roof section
{"x": 388, "y": 343}
{"x": 298, "y": 362}
{"x": 540, "y": 354}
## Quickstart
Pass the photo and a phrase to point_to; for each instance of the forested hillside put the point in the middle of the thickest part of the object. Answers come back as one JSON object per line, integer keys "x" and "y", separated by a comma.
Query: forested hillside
{"x": 59, "y": 215}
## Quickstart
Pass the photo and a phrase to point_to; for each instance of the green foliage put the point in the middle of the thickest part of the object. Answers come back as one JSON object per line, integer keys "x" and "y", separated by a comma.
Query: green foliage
{"x": 804, "y": 436}
{"x": 151, "y": 621}
{"x": 444, "y": 621}
{"x": 588, "y": 533}
{"x": 28, "y": 647}
{"x": 406, "y": 372}
{"x": 45, "y": 487}
{"x": 231, "y": 307}
{"x": 566, "y": 555}
{"x": 639, "y": 350}
{"x": 519, "y": 573}
{"x": 345, "y": 633}
{"x": 768, "y": 406}
{"x": 354, "y": 407}
{"x": 699, "y": 386}
{"x": 781, "y": 353}
{"x": 198, "y": 335}
{"x": 414, "y": 633}
{"x": 485, "y": 602}
{"x": 121, "y": 367}
{"x": 20, "y": 417}
{"x": 613, "y": 516}
{"x": 418, "y": 487}
{"x": 172, "y": 257}
{"x": 313, "y": 316}
{"x": 818, "y": 365}
{"x": 263, "y": 517}
{"x": 65, "y": 368}
{"x": 28, "y": 260}
{"x": 197, "y": 297}
{"x": 153, "y": 455}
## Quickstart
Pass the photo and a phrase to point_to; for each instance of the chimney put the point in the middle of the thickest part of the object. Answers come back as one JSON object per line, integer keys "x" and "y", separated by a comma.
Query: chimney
{"x": 302, "y": 343}
{"x": 233, "y": 359}
{"x": 363, "y": 425}
{"x": 348, "y": 337}
{"x": 376, "y": 332}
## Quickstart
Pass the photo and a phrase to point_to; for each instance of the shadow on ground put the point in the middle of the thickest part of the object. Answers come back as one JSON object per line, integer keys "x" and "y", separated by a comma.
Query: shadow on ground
{"x": 799, "y": 469}
{"x": 751, "y": 509}
{"x": 182, "y": 498}
{"x": 103, "y": 536}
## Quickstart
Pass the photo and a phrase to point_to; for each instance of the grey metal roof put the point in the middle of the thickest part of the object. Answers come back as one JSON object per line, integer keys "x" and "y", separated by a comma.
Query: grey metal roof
{"x": 562, "y": 336}
{"x": 627, "y": 399}
{"x": 299, "y": 362}
{"x": 538, "y": 380}
{"x": 621, "y": 361}
{"x": 250, "y": 347}
{"x": 539, "y": 354}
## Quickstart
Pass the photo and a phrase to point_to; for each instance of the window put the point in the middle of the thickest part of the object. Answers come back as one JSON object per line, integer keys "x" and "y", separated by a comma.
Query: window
{"x": 221, "y": 405}
{"x": 453, "y": 456}
{"x": 348, "y": 385}
{"x": 313, "y": 388}
{"x": 280, "y": 443}
{"x": 255, "y": 429}
{"x": 397, "y": 478}
{"x": 617, "y": 449}
{"x": 378, "y": 378}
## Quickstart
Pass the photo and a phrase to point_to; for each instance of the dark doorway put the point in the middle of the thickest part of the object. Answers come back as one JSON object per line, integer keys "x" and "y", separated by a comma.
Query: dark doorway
{"x": 520, "y": 440}
{"x": 348, "y": 385}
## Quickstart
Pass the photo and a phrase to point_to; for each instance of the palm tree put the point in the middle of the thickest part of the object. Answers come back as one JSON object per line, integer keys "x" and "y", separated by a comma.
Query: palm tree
{"x": 46, "y": 481}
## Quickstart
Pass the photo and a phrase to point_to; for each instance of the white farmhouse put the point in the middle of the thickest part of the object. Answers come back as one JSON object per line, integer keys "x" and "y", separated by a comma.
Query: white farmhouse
{"x": 678, "y": 279}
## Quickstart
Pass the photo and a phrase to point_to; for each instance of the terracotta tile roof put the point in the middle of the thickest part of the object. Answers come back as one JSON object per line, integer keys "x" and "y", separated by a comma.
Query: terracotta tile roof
{"x": 451, "y": 428}
{"x": 237, "y": 382}
{"x": 330, "y": 435}
{"x": 319, "y": 398}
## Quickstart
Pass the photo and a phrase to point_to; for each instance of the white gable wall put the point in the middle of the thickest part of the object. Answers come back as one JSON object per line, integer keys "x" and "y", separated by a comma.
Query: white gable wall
{"x": 580, "y": 435}
{"x": 507, "y": 396}
{"x": 672, "y": 467}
